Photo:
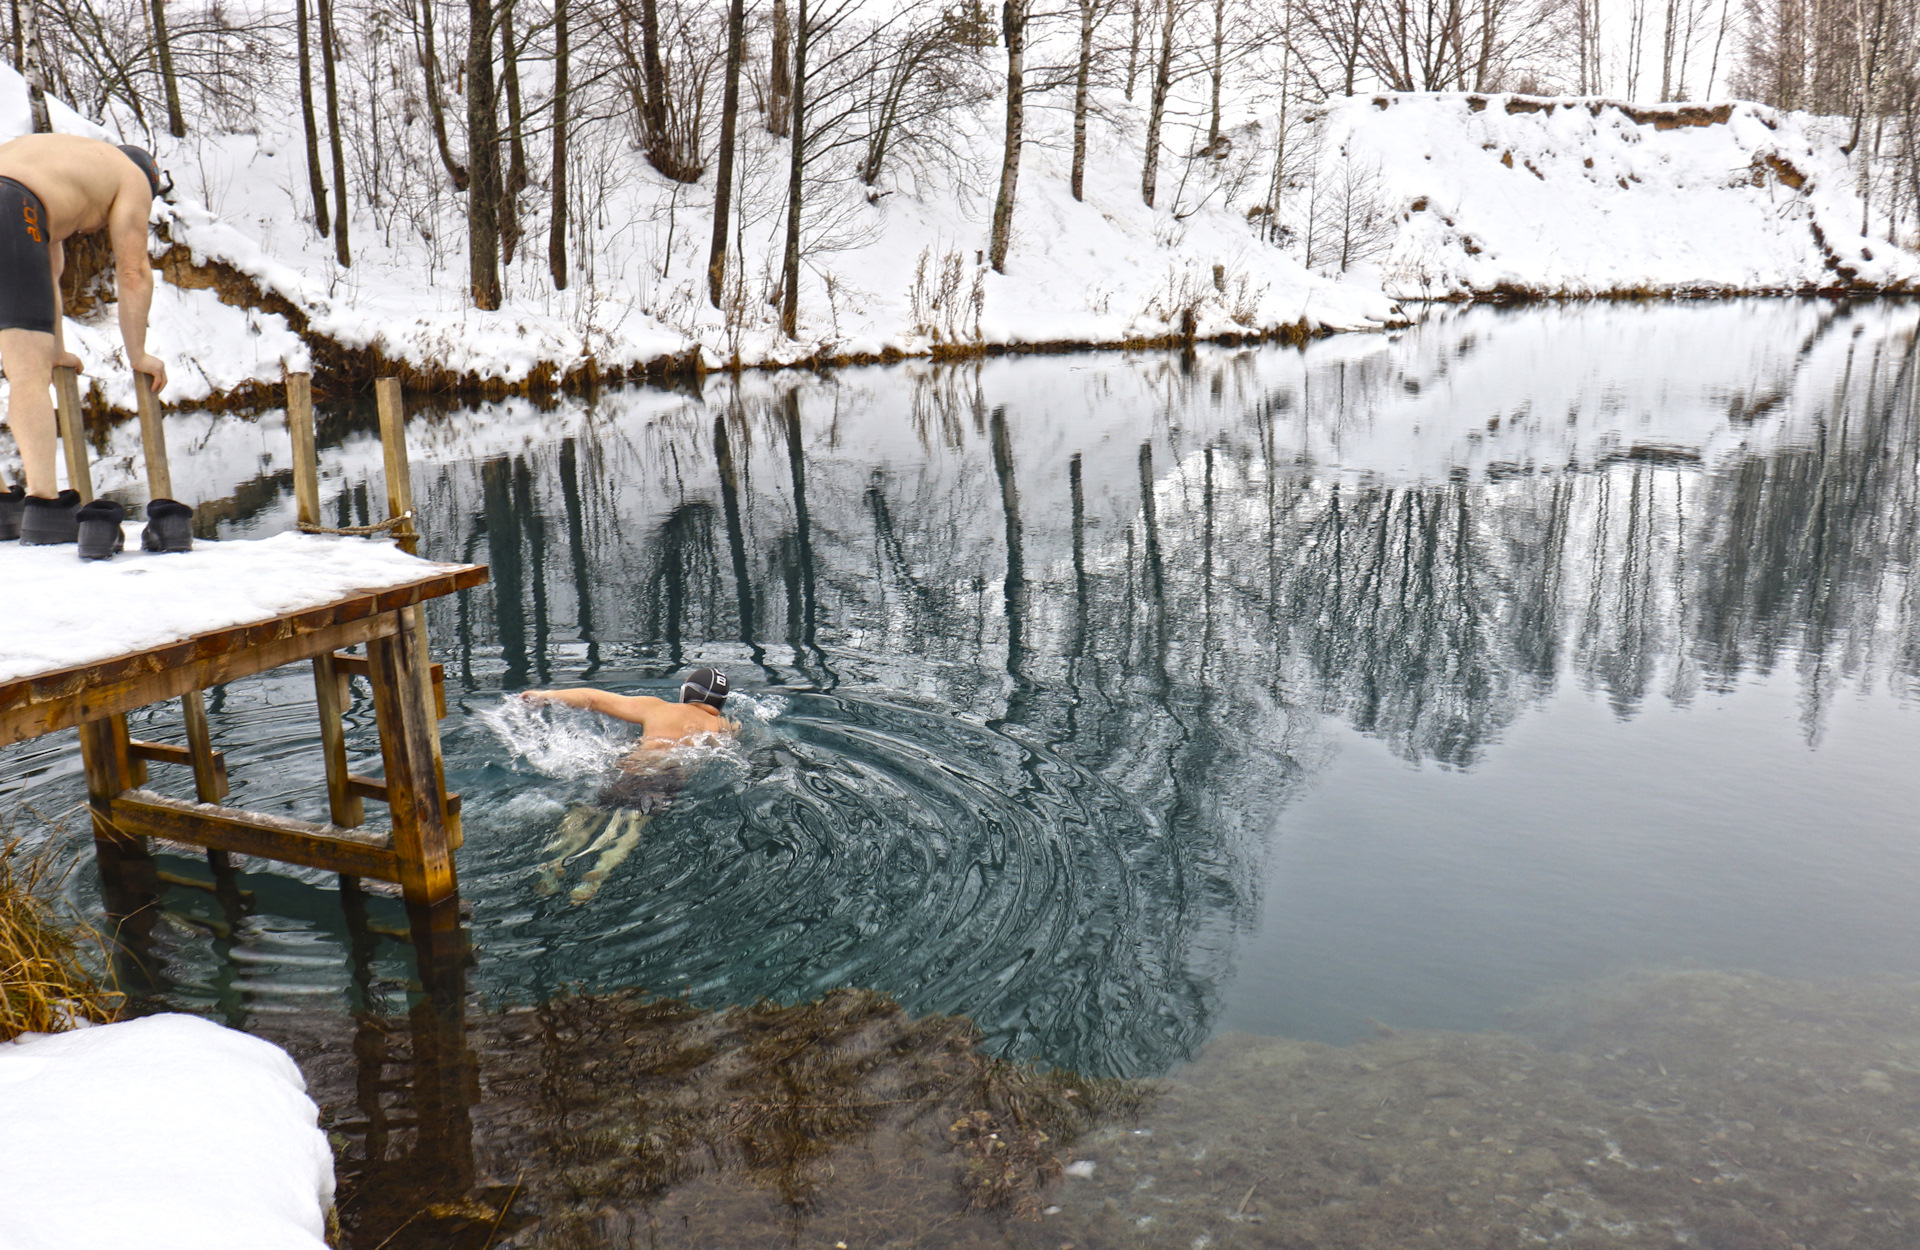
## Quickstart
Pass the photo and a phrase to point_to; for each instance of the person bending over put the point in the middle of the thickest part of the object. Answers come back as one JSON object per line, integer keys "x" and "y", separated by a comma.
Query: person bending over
{"x": 51, "y": 188}
{"x": 644, "y": 782}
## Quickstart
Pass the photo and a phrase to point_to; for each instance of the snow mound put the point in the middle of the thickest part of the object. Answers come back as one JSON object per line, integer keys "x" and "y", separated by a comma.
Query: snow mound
{"x": 1506, "y": 194}
{"x": 164, "y": 1132}
{"x": 65, "y": 611}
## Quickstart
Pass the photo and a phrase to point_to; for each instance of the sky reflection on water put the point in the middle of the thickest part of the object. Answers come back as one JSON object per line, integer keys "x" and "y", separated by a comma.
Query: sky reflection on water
{"x": 1116, "y": 699}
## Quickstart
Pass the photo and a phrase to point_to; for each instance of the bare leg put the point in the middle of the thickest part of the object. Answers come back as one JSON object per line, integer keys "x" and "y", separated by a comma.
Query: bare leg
{"x": 27, "y": 356}
{"x": 569, "y": 840}
{"x": 612, "y": 857}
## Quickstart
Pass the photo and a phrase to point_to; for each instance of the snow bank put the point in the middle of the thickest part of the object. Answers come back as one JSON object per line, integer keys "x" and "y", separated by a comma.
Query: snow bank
{"x": 1571, "y": 196}
{"x": 64, "y": 611}
{"x": 164, "y": 1132}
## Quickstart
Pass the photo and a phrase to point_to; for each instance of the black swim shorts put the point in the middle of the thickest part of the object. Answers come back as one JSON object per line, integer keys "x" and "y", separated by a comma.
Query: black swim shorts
{"x": 26, "y": 271}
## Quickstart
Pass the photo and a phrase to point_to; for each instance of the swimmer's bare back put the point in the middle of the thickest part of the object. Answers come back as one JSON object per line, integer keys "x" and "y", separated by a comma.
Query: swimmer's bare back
{"x": 84, "y": 185}
{"x": 662, "y": 724}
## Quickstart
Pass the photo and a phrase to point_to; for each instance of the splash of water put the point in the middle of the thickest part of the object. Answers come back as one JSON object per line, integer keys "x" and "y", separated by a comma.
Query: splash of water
{"x": 555, "y": 740}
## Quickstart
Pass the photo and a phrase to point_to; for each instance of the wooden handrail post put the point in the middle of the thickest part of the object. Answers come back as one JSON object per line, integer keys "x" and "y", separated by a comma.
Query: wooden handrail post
{"x": 306, "y": 460}
{"x": 393, "y": 443}
{"x": 406, "y": 535}
{"x": 409, "y": 743}
{"x": 153, "y": 438}
{"x": 73, "y": 438}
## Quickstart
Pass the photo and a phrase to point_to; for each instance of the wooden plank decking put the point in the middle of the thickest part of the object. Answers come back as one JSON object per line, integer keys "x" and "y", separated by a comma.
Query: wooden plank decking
{"x": 62, "y": 698}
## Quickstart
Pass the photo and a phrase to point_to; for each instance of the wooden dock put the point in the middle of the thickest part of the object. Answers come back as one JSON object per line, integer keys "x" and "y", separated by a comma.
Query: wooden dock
{"x": 387, "y": 621}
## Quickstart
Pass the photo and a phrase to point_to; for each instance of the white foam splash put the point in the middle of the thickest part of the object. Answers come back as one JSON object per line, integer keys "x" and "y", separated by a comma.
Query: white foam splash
{"x": 553, "y": 739}
{"x": 763, "y": 709}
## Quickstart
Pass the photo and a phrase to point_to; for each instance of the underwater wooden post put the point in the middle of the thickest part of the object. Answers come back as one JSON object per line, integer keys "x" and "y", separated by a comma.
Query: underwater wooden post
{"x": 66, "y": 406}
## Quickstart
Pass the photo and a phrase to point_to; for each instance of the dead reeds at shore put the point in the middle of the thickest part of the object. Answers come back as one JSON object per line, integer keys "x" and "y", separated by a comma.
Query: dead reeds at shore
{"x": 47, "y": 981}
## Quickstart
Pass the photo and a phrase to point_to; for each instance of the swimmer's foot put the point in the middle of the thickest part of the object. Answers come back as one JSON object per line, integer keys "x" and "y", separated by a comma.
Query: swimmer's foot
{"x": 548, "y": 882}
{"x": 588, "y": 887}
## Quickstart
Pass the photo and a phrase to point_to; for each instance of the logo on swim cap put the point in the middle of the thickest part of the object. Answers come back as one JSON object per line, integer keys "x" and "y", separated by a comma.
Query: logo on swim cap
{"x": 704, "y": 685}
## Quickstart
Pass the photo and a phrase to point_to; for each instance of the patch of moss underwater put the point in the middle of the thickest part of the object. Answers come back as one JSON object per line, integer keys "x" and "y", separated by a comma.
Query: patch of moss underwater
{"x": 610, "y": 1120}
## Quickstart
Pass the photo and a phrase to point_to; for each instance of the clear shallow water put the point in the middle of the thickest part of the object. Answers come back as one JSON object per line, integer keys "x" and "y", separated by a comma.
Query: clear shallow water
{"x": 1114, "y": 701}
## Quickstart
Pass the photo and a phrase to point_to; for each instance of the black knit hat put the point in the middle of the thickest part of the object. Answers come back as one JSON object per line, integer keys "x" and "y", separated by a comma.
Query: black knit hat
{"x": 704, "y": 685}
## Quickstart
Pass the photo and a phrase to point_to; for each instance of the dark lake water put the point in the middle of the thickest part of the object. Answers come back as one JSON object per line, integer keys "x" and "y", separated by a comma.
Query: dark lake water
{"x": 1550, "y": 665}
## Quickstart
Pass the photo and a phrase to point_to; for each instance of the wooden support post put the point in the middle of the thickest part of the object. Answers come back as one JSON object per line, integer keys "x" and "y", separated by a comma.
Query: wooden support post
{"x": 153, "y": 439}
{"x": 128, "y": 879}
{"x": 334, "y": 696}
{"x": 209, "y": 780}
{"x": 399, "y": 475}
{"x": 306, "y": 460}
{"x": 403, "y": 703}
{"x": 73, "y": 438}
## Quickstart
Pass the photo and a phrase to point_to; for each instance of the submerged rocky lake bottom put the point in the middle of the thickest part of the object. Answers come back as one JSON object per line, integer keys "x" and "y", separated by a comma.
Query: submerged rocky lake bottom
{"x": 1449, "y": 788}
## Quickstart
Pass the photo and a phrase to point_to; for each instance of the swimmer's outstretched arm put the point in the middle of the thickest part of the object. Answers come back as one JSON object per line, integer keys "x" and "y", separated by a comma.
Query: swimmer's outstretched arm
{"x": 627, "y": 707}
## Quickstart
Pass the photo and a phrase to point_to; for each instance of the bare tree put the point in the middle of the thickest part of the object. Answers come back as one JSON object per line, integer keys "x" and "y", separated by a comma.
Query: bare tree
{"x": 562, "y": 117}
{"x": 723, "y": 180}
{"x": 1013, "y": 26}
{"x": 436, "y": 108}
{"x": 176, "y": 124}
{"x": 1170, "y": 13}
{"x": 781, "y": 92}
{"x": 1091, "y": 14}
{"x": 341, "y": 251}
{"x": 483, "y": 156}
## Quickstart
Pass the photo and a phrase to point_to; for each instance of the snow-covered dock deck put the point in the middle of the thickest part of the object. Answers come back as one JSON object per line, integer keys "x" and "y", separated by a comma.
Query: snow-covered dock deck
{"x": 82, "y": 640}
{"x": 85, "y": 644}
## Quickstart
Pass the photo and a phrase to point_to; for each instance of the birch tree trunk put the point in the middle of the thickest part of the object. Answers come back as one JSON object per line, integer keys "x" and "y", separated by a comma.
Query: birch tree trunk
{"x": 723, "y": 178}
{"x": 316, "y": 181}
{"x": 797, "y": 118}
{"x": 34, "y": 63}
{"x": 557, "y": 231}
{"x": 341, "y": 251}
{"x": 1217, "y": 71}
{"x": 483, "y": 154}
{"x": 1157, "y": 102}
{"x": 163, "y": 48}
{"x": 1013, "y": 25}
{"x": 1089, "y": 15}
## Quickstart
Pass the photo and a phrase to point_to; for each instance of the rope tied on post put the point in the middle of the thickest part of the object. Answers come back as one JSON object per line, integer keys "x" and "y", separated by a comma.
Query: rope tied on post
{"x": 364, "y": 531}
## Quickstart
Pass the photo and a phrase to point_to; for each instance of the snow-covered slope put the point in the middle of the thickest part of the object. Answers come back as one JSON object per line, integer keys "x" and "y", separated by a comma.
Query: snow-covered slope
{"x": 1563, "y": 196}
{"x": 1106, "y": 270}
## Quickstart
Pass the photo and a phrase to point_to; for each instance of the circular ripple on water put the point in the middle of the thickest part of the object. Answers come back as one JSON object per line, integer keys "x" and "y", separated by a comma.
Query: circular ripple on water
{"x": 868, "y": 843}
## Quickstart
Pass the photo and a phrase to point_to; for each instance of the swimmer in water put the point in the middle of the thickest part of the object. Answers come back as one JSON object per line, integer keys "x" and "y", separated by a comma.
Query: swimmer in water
{"x": 645, "y": 780}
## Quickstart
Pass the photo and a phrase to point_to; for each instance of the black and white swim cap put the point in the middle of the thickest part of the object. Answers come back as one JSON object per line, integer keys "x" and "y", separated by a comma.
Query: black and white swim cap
{"x": 704, "y": 685}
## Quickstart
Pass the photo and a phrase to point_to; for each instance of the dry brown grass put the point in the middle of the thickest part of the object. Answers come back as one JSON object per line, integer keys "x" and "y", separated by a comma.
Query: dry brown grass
{"x": 46, "y": 983}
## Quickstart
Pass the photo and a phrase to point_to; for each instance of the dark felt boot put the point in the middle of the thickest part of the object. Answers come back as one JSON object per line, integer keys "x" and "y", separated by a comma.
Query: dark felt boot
{"x": 169, "y": 527}
{"x": 101, "y": 537}
{"x": 47, "y": 521}
{"x": 10, "y": 505}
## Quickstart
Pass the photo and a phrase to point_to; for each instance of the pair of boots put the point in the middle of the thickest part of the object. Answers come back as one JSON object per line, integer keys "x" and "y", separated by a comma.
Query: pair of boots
{"x": 95, "y": 527}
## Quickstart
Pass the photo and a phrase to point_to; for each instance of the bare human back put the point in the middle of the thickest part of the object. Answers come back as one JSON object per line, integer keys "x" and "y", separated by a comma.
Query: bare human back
{"x": 85, "y": 185}
{"x": 661, "y": 723}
